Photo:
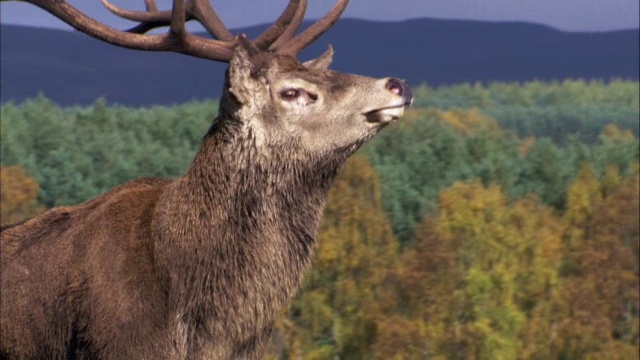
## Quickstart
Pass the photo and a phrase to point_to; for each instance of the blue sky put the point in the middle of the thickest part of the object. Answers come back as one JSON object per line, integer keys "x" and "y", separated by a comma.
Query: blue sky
{"x": 571, "y": 15}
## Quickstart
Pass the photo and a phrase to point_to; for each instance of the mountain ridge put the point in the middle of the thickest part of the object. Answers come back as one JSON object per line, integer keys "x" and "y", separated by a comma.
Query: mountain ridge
{"x": 71, "y": 68}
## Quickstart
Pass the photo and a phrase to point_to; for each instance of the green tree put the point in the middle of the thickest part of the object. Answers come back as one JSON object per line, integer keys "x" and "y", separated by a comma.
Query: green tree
{"x": 80, "y": 152}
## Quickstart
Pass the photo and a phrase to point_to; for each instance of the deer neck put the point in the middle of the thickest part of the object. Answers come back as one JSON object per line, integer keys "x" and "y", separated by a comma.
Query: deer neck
{"x": 253, "y": 183}
{"x": 244, "y": 221}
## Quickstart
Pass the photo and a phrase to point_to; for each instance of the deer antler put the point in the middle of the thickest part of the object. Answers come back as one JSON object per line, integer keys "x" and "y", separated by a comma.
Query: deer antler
{"x": 293, "y": 26}
{"x": 278, "y": 37}
{"x": 314, "y": 31}
{"x": 152, "y": 18}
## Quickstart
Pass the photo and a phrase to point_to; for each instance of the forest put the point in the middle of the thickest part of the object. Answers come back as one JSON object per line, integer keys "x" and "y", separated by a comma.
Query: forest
{"x": 494, "y": 221}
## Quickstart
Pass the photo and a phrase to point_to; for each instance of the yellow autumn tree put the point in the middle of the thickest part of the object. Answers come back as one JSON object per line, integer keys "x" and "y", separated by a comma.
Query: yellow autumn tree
{"x": 614, "y": 133}
{"x": 468, "y": 121}
{"x": 508, "y": 258}
{"x": 337, "y": 311}
{"x": 422, "y": 299}
{"x": 597, "y": 306}
{"x": 474, "y": 275}
{"x": 18, "y": 195}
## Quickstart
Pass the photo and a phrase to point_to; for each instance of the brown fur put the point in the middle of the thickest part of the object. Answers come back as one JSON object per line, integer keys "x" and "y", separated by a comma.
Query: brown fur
{"x": 198, "y": 267}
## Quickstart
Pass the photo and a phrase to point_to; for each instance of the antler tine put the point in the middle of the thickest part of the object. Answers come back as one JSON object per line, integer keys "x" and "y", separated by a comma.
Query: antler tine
{"x": 270, "y": 35}
{"x": 205, "y": 14}
{"x": 178, "y": 18}
{"x": 150, "y": 16}
{"x": 149, "y": 20}
{"x": 316, "y": 30}
{"x": 150, "y": 5}
{"x": 152, "y": 19}
{"x": 292, "y": 28}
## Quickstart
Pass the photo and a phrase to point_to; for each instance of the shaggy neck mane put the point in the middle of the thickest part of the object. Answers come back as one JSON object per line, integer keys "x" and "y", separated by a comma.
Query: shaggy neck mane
{"x": 254, "y": 184}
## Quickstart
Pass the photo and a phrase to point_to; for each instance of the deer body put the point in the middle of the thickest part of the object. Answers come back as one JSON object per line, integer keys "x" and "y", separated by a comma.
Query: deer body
{"x": 198, "y": 267}
{"x": 160, "y": 263}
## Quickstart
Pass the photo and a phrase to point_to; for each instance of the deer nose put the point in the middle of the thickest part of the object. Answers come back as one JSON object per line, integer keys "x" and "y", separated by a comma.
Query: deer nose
{"x": 400, "y": 88}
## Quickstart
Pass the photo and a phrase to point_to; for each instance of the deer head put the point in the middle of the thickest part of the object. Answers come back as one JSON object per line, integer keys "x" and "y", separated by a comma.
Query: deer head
{"x": 199, "y": 266}
{"x": 306, "y": 108}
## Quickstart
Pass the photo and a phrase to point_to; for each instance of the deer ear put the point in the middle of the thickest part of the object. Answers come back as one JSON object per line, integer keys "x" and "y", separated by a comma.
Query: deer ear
{"x": 322, "y": 62}
{"x": 241, "y": 83}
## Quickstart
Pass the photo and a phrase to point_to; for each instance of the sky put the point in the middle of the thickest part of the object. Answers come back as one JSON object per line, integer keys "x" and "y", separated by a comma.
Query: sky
{"x": 568, "y": 15}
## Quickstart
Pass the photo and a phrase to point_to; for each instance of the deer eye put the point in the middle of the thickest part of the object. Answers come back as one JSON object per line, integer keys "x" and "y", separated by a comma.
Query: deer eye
{"x": 290, "y": 94}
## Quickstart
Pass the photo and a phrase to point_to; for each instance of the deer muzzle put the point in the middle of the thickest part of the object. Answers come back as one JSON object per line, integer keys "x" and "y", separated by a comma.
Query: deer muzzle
{"x": 395, "y": 97}
{"x": 400, "y": 88}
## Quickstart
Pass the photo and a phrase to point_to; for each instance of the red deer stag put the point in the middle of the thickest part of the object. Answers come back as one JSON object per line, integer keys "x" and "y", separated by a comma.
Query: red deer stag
{"x": 196, "y": 267}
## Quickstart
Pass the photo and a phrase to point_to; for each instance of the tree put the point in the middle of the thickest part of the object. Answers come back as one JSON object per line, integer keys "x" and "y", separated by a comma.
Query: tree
{"x": 597, "y": 305}
{"x": 423, "y": 299}
{"x": 337, "y": 312}
{"x": 474, "y": 275}
{"x": 19, "y": 193}
{"x": 78, "y": 153}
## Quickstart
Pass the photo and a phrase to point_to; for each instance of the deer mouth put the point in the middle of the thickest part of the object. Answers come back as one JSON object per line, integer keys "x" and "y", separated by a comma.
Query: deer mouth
{"x": 385, "y": 115}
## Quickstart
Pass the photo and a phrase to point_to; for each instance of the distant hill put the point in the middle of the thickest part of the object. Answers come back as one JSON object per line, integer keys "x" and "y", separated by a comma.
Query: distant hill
{"x": 72, "y": 68}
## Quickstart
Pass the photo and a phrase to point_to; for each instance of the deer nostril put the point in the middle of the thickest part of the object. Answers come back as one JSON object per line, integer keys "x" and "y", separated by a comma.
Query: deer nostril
{"x": 395, "y": 86}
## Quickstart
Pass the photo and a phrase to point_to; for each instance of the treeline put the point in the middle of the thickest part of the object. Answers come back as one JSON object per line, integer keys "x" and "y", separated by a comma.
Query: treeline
{"x": 458, "y": 233}
{"x": 431, "y": 149}
{"x": 78, "y": 153}
{"x": 557, "y": 110}
{"x": 484, "y": 278}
